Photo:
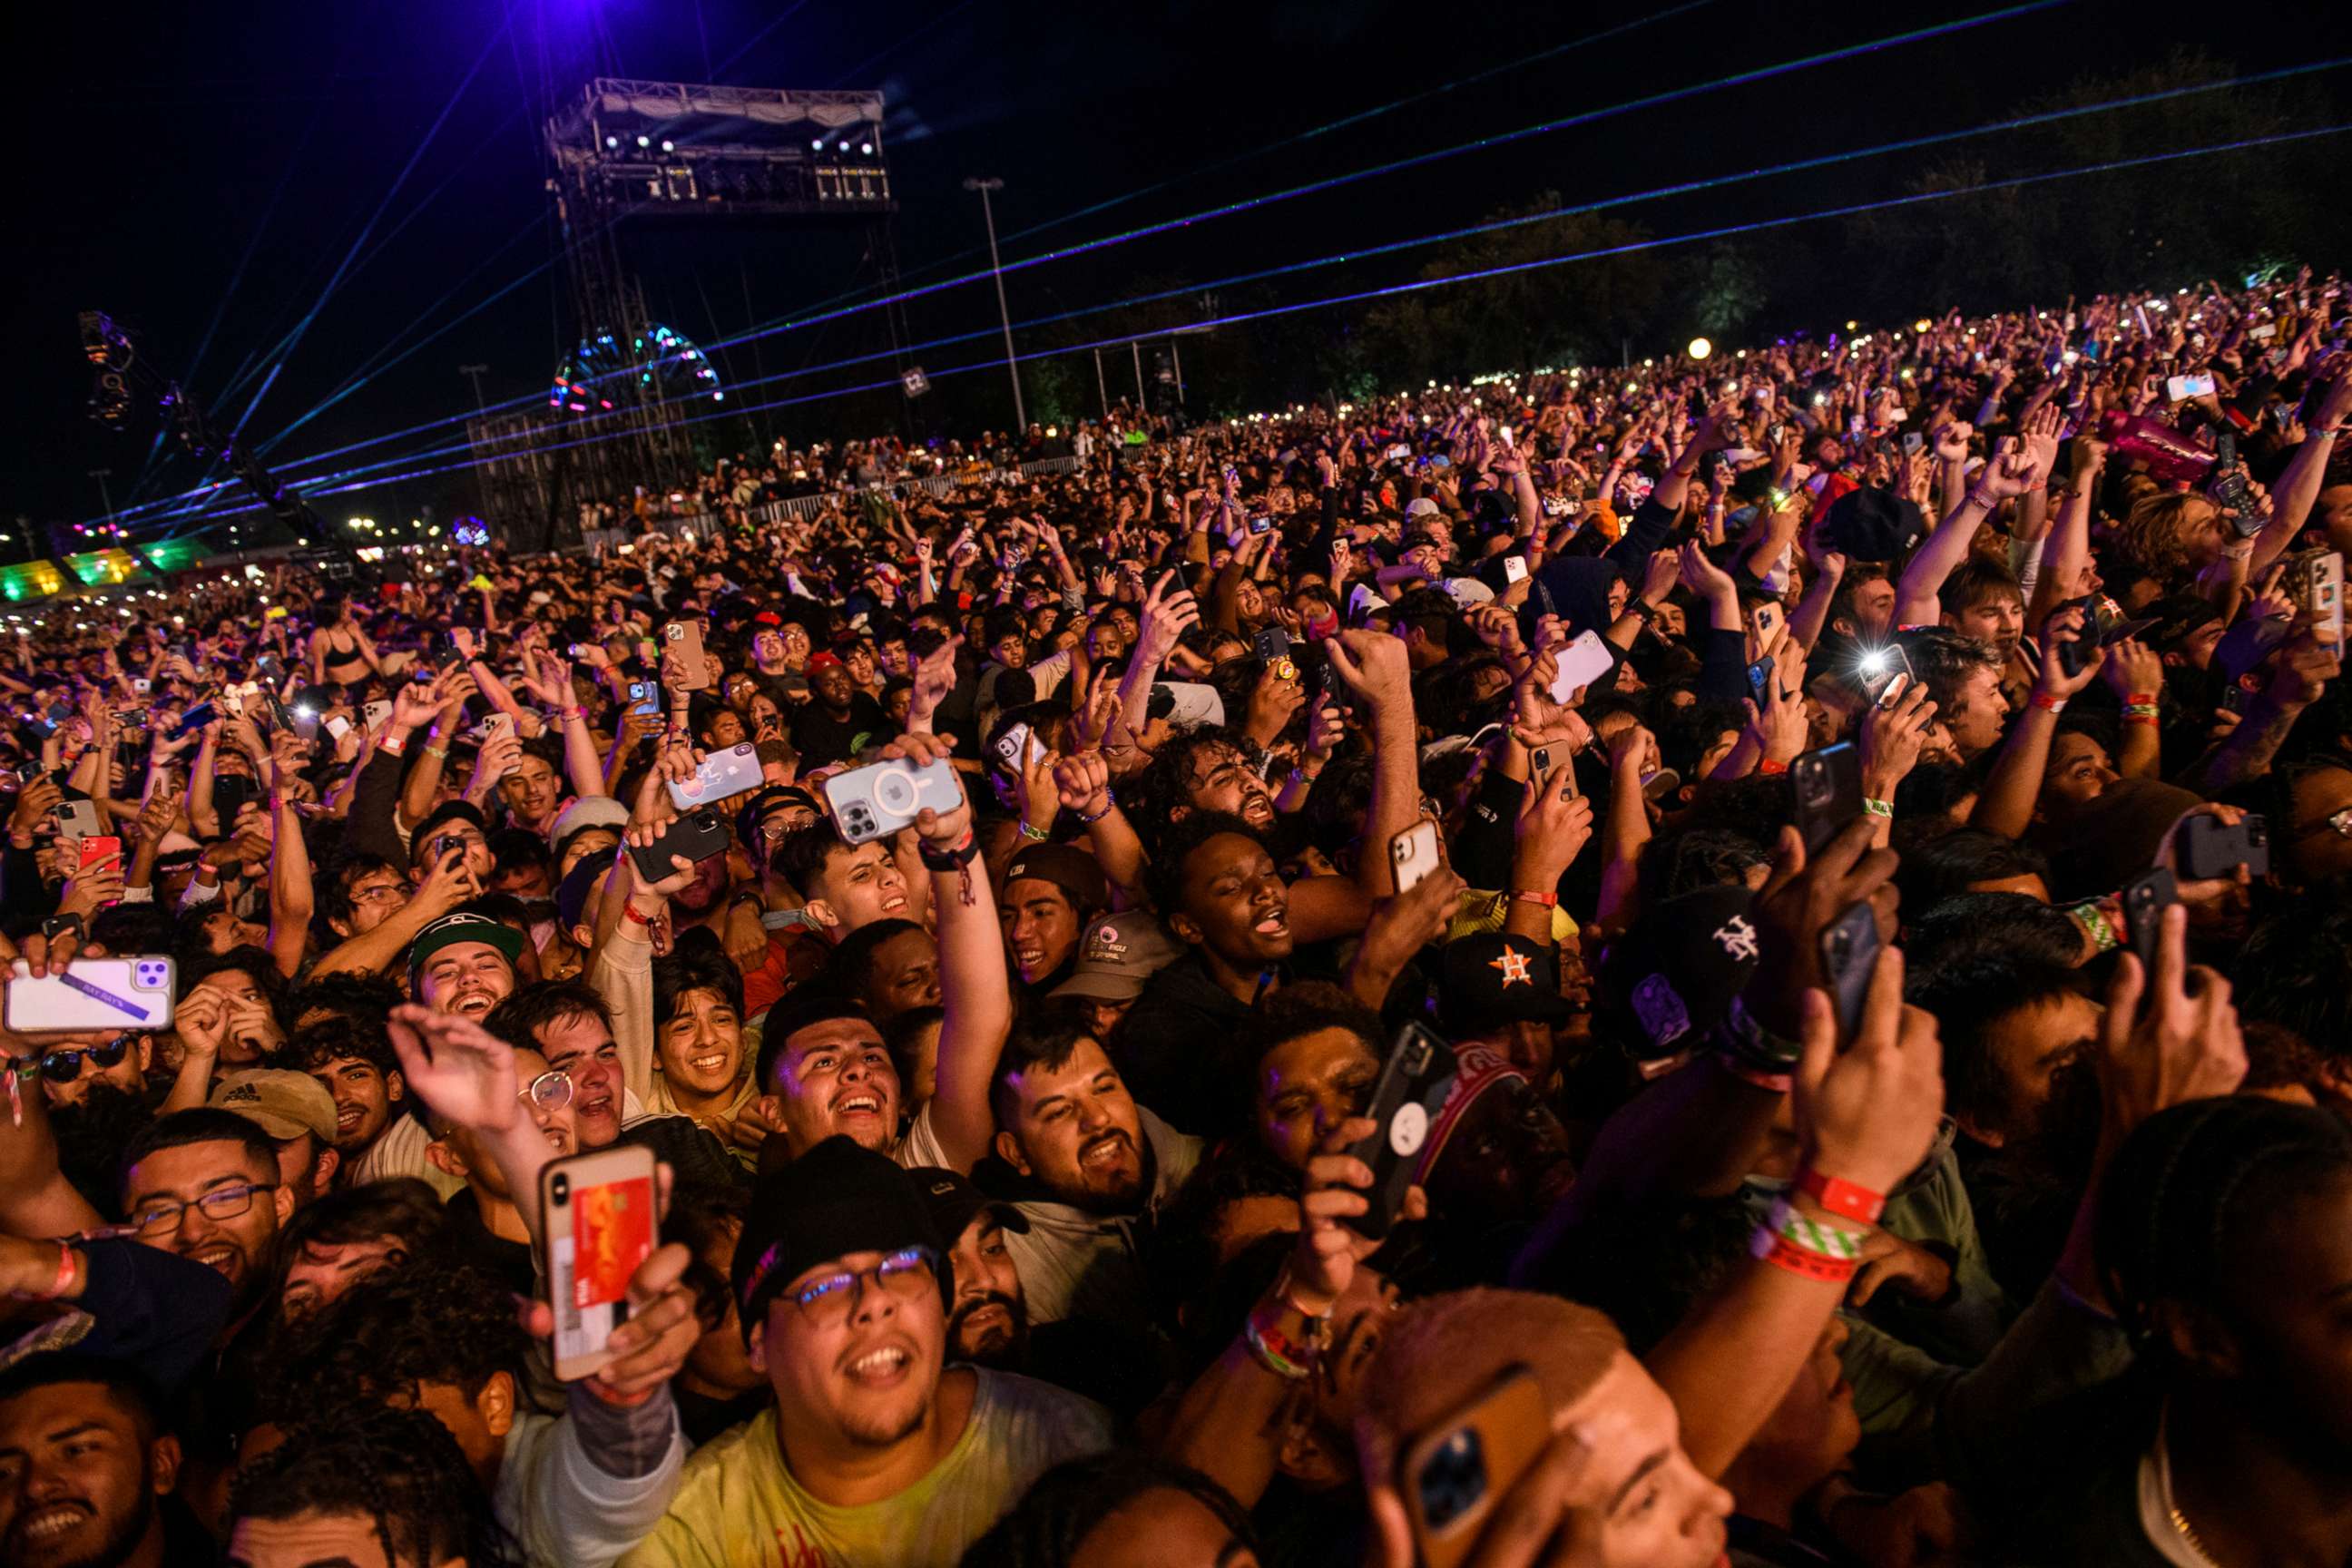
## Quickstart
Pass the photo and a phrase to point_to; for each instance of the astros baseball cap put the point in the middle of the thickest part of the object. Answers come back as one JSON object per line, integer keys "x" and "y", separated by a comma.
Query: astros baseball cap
{"x": 451, "y": 930}
{"x": 1499, "y": 977}
{"x": 281, "y": 1103}
{"x": 1118, "y": 954}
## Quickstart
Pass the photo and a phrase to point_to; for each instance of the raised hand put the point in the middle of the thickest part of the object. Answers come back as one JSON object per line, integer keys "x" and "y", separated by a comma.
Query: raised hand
{"x": 940, "y": 830}
{"x": 1868, "y": 1115}
{"x": 464, "y": 1071}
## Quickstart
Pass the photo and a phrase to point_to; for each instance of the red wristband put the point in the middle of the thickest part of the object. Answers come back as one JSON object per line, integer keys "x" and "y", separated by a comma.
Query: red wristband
{"x": 392, "y": 745}
{"x": 1769, "y": 769}
{"x": 1785, "y": 1254}
{"x": 629, "y": 912}
{"x": 2148, "y": 697}
{"x": 2047, "y": 703}
{"x": 64, "y": 1281}
{"x": 1523, "y": 896}
{"x": 1843, "y": 1198}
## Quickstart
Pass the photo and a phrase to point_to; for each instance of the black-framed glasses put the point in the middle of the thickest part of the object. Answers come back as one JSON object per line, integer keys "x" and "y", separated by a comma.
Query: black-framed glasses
{"x": 163, "y": 1216}
{"x": 907, "y": 1273}
{"x": 64, "y": 1065}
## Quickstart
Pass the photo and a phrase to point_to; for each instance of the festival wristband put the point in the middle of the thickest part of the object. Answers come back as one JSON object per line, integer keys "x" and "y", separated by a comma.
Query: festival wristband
{"x": 1877, "y": 807}
{"x": 1769, "y": 769}
{"x": 1781, "y": 1253}
{"x": 392, "y": 745}
{"x": 629, "y": 912}
{"x": 1288, "y": 1359}
{"x": 1842, "y": 1197}
{"x": 1824, "y": 1238}
{"x": 2047, "y": 703}
{"x": 1033, "y": 835}
{"x": 1528, "y": 896}
{"x": 953, "y": 857}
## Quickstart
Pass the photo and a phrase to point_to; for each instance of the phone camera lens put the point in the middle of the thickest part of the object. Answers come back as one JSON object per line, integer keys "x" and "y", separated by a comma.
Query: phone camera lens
{"x": 560, "y": 1188}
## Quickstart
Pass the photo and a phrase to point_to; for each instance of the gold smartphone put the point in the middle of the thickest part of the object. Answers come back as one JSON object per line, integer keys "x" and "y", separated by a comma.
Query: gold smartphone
{"x": 1455, "y": 1475}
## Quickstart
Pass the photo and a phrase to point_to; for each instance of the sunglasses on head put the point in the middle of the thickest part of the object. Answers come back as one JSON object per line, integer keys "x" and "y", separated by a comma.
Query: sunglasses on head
{"x": 64, "y": 1066}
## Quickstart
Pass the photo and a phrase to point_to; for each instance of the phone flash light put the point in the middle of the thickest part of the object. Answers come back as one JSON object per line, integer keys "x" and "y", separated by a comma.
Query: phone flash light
{"x": 1873, "y": 663}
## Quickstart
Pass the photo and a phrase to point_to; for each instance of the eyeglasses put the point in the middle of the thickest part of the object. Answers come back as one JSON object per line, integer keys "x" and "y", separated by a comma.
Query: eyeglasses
{"x": 65, "y": 1066}
{"x": 388, "y": 891}
{"x": 550, "y": 1090}
{"x": 163, "y": 1216}
{"x": 827, "y": 1300}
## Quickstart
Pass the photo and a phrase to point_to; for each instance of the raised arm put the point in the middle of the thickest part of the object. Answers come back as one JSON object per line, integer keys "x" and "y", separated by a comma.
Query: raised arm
{"x": 2300, "y": 482}
{"x": 1917, "y": 597}
{"x": 975, "y": 992}
{"x": 1375, "y": 667}
{"x": 2006, "y": 803}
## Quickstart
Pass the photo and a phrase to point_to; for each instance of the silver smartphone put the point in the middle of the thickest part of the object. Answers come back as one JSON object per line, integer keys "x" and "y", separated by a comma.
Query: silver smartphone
{"x": 92, "y": 994}
{"x": 880, "y": 799}
{"x": 735, "y": 771}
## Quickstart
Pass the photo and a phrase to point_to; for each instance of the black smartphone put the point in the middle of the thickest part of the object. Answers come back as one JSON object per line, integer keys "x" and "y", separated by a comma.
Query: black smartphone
{"x": 1759, "y": 680}
{"x": 1412, "y": 1086}
{"x": 1271, "y": 644}
{"x": 2211, "y": 848}
{"x": 2145, "y": 902}
{"x": 1849, "y": 958}
{"x": 2228, "y": 490}
{"x": 1829, "y": 791}
{"x": 230, "y": 791}
{"x": 697, "y": 836}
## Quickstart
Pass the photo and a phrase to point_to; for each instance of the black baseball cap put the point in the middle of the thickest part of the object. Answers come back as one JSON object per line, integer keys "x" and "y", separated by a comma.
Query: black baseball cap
{"x": 1871, "y": 525}
{"x": 838, "y": 1198}
{"x": 1672, "y": 978}
{"x": 955, "y": 1203}
{"x": 1500, "y": 977}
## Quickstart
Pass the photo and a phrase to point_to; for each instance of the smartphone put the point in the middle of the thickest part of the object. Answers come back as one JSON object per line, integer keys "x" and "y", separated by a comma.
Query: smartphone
{"x": 2314, "y": 581}
{"x": 644, "y": 697}
{"x": 2228, "y": 490}
{"x": 1411, "y": 1091}
{"x": 2211, "y": 848}
{"x": 697, "y": 836}
{"x": 884, "y": 797}
{"x": 1515, "y": 569}
{"x": 1261, "y": 524}
{"x": 1582, "y": 663}
{"x": 2145, "y": 902}
{"x": 1759, "y": 680}
{"x": 230, "y": 792}
{"x": 1012, "y": 748}
{"x": 193, "y": 719}
{"x": 1412, "y": 855}
{"x": 735, "y": 771}
{"x": 1849, "y": 958}
{"x": 97, "y": 846}
{"x": 76, "y": 819}
{"x": 1453, "y": 1476}
{"x": 1271, "y": 643}
{"x": 338, "y": 726}
{"x": 1912, "y": 441}
{"x": 1829, "y": 791}
{"x": 496, "y": 725}
{"x": 686, "y": 637}
{"x": 376, "y": 714}
{"x": 92, "y": 994}
{"x": 2180, "y": 388}
{"x": 599, "y": 1208}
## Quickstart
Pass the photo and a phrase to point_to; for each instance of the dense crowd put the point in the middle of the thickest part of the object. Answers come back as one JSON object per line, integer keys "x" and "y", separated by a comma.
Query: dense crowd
{"x": 1612, "y": 967}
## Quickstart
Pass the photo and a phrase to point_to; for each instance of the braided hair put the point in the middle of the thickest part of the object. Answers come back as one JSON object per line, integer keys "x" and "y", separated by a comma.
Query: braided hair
{"x": 1069, "y": 1502}
{"x": 398, "y": 1468}
{"x": 2182, "y": 1204}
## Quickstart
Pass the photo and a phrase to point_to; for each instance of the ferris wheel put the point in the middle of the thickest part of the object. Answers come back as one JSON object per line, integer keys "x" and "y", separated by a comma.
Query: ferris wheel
{"x": 662, "y": 363}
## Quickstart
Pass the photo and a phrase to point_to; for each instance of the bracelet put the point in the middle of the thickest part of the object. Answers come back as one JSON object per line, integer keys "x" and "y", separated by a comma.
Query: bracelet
{"x": 1299, "y": 775}
{"x": 1290, "y": 1360}
{"x": 66, "y": 1266}
{"x": 1769, "y": 769}
{"x": 1783, "y": 1253}
{"x": 1529, "y": 896}
{"x": 2047, "y": 703}
{"x": 2141, "y": 698}
{"x": 568, "y": 714}
{"x": 1110, "y": 804}
{"x": 392, "y": 745}
{"x": 629, "y": 912}
{"x": 1842, "y": 1197}
{"x": 2139, "y": 713}
{"x": 1033, "y": 835}
{"x": 442, "y": 752}
{"x": 1826, "y": 1239}
{"x": 954, "y": 856}
{"x": 1877, "y": 807}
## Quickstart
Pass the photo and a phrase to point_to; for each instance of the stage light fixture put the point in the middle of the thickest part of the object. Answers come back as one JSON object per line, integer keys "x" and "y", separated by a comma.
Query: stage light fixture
{"x": 612, "y": 141}
{"x": 1700, "y": 348}
{"x": 817, "y": 145}
{"x": 668, "y": 146}
{"x": 644, "y": 140}
{"x": 867, "y": 147}
{"x": 841, "y": 146}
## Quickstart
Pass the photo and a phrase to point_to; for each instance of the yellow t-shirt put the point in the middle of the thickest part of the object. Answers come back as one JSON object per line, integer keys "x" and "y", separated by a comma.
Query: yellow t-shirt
{"x": 738, "y": 1507}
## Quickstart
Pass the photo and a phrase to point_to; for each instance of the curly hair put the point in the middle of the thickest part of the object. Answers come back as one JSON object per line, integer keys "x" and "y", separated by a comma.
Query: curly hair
{"x": 454, "y": 1326}
{"x": 400, "y": 1469}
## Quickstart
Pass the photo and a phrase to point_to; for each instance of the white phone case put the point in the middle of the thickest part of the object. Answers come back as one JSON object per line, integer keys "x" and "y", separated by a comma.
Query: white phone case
{"x": 1582, "y": 663}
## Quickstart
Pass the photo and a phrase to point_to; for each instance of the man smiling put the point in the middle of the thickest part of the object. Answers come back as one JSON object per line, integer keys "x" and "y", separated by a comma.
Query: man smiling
{"x": 464, "y": 963}
{"x": 874, "y": 1451}
{"x": 203, "y": 1184}
{"x": 84, "y": 1466}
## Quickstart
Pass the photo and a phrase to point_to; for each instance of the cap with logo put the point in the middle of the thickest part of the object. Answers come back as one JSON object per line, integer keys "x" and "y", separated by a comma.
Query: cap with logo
{"x": 1671, "y": 979}
{"x": 281, "y": 1103}
{"x": 838, "y": 1198}
{"x": 1118, "y": 954}
{"x": 955, "y": 1203}
{"x": 1076, "y": 872}
{"x": 1500, "y": 977}
{"x": 451, "y": 930}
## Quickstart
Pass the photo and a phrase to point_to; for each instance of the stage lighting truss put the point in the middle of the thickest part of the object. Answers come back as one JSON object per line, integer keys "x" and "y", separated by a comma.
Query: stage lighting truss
{"x": 652, "y": 149}
{"x": 654, "y": 364}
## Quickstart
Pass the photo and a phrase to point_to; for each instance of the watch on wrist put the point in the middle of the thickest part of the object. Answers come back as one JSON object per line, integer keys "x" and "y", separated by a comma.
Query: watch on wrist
{"x": 65, "y": 924}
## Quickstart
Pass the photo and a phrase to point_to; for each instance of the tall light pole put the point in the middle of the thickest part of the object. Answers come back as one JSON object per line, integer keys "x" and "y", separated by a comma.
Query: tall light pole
{"x": 987, "y": 212}
{"x": 105, "y": 496}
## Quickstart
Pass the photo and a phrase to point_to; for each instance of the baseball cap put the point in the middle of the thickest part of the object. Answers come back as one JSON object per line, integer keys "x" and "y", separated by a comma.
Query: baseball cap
{"x": 1119, "y": 951}
{"x": 1477, "y": 1069}
{"x": 571, "y": 893}
{"x": 588, "y": 811}
{"x": 1671, "y": 979}
{"x": 451, "y": 930}
{"x": 1072, "y": 870}
{"x": 838, "y": 1198}
{"x": 823, "y": 661}
{"x": 1499, "y": 977}
{"x": 1871, "y": 525}
{"x": 1420, "y": 506}
{"x": 280, "y": 1101}
{"x": 954, "y": 1202}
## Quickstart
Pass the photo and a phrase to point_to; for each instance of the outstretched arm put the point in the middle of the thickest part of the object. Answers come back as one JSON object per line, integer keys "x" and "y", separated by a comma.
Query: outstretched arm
{"x": 974, "y": 990}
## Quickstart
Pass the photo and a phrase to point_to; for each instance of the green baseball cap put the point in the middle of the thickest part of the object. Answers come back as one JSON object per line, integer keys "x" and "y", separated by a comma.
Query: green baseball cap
{"x": 451, "y": 930}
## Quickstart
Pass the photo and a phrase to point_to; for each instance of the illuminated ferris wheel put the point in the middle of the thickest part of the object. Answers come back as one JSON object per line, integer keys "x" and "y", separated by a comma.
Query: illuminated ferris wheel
{"x": 664, "y": 364}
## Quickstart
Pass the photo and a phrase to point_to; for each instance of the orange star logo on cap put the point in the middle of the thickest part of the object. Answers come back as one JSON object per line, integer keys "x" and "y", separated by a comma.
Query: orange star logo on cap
{"x": 1514, "y": 966}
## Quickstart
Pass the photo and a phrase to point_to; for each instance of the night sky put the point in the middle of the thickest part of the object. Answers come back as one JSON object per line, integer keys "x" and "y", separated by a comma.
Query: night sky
{"x": 163, "y": 151}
